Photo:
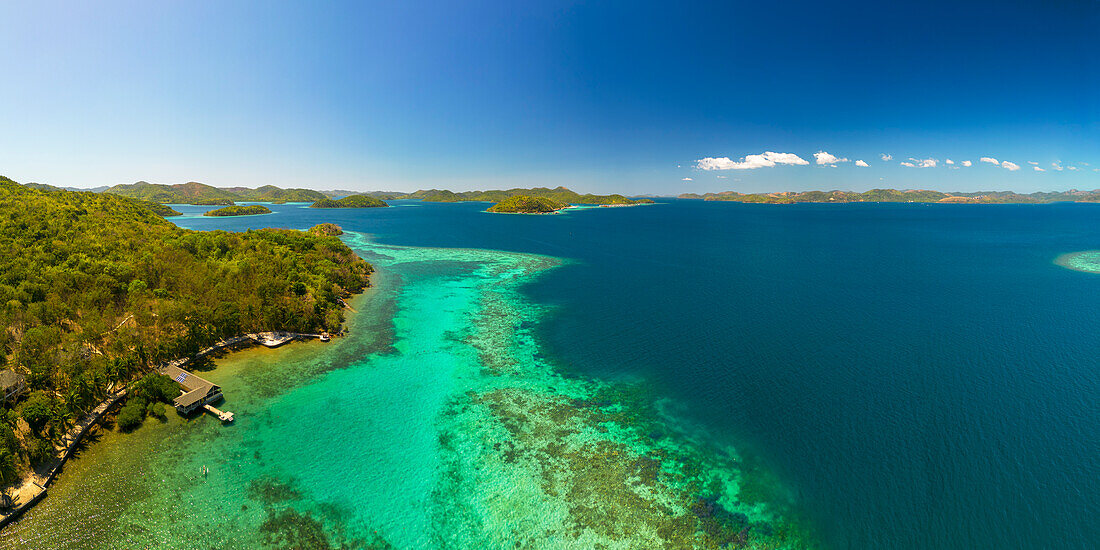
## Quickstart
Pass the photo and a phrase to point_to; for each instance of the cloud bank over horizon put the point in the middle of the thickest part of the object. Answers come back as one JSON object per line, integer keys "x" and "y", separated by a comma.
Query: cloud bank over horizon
{"x": 767, "y": 159}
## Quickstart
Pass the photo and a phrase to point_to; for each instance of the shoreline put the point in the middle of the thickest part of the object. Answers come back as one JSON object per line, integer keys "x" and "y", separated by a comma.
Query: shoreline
{"x": 33, "y": 488}
{"x": 481, "y": 434}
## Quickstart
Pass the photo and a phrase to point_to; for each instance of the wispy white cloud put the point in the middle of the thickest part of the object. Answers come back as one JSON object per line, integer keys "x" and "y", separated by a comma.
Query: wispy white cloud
{"x": 749, "y": 162}
{"x": 886, "y": 158}
{"x": 909, "y": 164}
{"x": 1033, "y": 163}
{"x": 823, "y": 157}
{"x": 1010, "y": 165}
{"x": 990, "y": 160}
{"x": 721, "y": 177}
{"x": 1056, "y": 165}
{"x": 949, "y": 161}
{"x": 862, "y": 164}
{"x": 1071, "y": 167}
{"x": 921, "y": 163}
{"x": 1037, "y": 169}
{"x": 968, "y": 163}
{"x": 687, "y": 179}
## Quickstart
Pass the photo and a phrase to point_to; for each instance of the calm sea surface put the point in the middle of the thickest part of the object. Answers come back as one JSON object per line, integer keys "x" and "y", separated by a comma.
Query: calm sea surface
{"x": 915, "y": 376}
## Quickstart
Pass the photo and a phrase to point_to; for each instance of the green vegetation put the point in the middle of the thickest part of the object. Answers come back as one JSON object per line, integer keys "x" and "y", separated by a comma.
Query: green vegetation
{"x": 159, "y": 209}
{"x": 384, "y": 195}
{"x": 213, "y": 202}
{"x": 250, "y": 210}
{"x": 96, "y": 289}
{"x": 894, "y": 195}
{"x": 522, "y": 204}
{"x": 270, "y": 193}
{"x": 147, "y": 396}
{"x": 183, "y": 193}
{"x": 353, "y": 201}
{"x": 326, "y": 230}
{"x": 202, "y": 194}
{"x": 559, "y": 194}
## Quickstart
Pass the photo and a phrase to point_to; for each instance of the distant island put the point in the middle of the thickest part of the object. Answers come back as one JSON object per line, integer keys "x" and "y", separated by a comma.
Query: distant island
{"x": 352, "y": 201}
{"x": 894, "y": 195}
{"x": 202, "y": 194}
{"x": 559, "y": 194}
{"x": 250, "y": 210}
{"x": 524, "y": 204}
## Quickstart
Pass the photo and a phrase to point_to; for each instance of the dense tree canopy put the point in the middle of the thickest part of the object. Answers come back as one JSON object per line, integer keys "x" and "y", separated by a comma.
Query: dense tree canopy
{"x": 522, "y": 204}
{"x": 250, "y": 210}
{"x": 352, "y": 201}
{"x": 97, "y": 288}
{"x": 202, "y": 194}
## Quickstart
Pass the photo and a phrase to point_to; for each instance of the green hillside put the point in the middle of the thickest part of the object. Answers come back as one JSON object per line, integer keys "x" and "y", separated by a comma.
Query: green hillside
{"x": 353, "y": 201}
{"x": 96, "y": 288}
{"x": 559, "y": 194}
{"x": 250, "y": 210}
{"x": 523, "y": 204}
{"x": 270, "y": 193}
{"x": 181, "y": 193}
{"x": 202, "y": 194}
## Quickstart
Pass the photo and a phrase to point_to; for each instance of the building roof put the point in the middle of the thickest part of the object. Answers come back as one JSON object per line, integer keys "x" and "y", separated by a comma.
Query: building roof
{"x": 195, "y": 388}
{"x": 189, "y": 398}
{"x": 188, "y": 380}
{"x": 10, "y": 379}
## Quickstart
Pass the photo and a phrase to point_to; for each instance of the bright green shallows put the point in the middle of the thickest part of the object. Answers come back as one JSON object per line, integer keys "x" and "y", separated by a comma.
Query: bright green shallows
{"x": 435, "y": 425}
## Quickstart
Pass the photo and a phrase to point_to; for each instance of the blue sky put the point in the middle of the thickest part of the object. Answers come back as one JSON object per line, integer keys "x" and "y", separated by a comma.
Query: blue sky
{"x": 628, "y": 97}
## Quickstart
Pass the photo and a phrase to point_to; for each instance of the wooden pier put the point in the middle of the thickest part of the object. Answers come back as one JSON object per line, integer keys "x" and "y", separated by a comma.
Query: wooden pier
{"x": 223, "y": 416}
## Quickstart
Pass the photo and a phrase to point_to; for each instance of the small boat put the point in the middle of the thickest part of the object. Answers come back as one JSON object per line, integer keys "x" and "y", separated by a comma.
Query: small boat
{"x": 324, "y": 337}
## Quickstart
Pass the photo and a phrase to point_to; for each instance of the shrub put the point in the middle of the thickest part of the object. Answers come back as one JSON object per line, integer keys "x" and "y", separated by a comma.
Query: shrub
{"x": 132, "y": 413}
{"x": 156, "y": 410}
{"x": 155, "y": 387}
{"x": 39, "y": 450}
{"x": 37, "y": 410}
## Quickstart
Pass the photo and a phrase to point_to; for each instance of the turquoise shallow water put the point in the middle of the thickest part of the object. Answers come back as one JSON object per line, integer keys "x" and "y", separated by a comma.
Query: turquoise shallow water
{"x": 435, "y": 425}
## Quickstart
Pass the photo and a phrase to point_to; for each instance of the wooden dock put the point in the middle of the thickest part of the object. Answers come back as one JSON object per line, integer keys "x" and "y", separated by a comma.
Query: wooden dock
{"x": 223, "y": 416}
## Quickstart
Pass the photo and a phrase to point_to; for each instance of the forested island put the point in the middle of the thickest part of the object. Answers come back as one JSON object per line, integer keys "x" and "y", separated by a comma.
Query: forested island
{"x": 352, "y": 201}
{"x": 96, "y": 289}
{"x": 250, "y": 210}
{"x": 523, "y": 204}
{"x": 559, "y": 194}
{"x": 894, "y": 195}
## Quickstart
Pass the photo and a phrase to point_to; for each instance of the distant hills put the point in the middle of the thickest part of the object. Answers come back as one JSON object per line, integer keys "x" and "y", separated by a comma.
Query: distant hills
{"x": 196, "y": 193}
{"x": 202, "y": 194}
{"x": 559, "y": 194}
{"x": 894, "y": 195}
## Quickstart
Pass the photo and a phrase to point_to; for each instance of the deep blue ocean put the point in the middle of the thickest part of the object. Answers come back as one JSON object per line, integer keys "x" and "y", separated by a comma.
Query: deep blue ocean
{"x": 919, "y": 376}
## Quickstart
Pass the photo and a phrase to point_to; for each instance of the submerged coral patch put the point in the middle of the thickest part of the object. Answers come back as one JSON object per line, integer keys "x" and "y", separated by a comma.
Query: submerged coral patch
{"x": 1086, "y": 260}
